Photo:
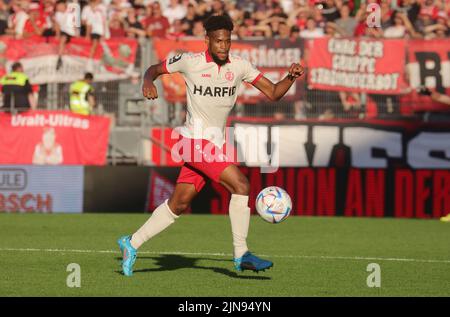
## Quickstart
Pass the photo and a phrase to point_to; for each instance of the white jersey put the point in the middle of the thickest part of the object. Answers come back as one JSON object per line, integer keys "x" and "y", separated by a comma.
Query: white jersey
{"x": 211, "y": 91}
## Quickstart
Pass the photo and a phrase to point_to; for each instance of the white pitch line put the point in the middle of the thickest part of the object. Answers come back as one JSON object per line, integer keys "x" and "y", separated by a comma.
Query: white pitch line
{"x": 323, "y": 257}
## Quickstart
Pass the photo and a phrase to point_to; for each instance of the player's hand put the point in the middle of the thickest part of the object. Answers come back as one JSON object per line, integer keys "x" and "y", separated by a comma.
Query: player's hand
{"x": 149, "y": 90}
{"x": 295, "y": 71}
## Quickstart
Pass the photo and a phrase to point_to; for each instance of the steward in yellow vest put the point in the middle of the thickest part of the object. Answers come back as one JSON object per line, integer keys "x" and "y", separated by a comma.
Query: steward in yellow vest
{"x": 17, "y": 90}
{"x": 82, "y": 99}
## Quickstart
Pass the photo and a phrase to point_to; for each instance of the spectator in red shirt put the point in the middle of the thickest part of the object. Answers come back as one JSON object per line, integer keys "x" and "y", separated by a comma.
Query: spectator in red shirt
{"x": 429, "y": 7}
{"x": 116, "y": 27}
{"x": 35, "y": 24}
{"x": 156, "y": 25}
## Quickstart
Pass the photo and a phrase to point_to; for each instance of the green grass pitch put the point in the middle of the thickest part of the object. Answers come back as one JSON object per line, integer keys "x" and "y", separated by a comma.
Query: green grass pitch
{"x": 313, "y": 256}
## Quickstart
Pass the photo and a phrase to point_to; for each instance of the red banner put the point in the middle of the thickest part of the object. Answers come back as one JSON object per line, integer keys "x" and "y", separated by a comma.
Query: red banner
{"x": 372, "y": 66}
{"x": 53, "y": 138}
{"x": 271, "y": 57}
{"x": 113, "y": 59}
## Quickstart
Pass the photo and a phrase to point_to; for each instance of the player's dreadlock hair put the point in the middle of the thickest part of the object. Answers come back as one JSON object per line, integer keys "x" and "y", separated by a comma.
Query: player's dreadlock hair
{"x": 218, "y": 22}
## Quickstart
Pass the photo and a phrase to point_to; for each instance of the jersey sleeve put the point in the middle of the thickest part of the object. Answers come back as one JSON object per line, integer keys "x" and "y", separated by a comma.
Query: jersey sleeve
{"x": 251, "y": 73}
{"x": 177, "y": 64}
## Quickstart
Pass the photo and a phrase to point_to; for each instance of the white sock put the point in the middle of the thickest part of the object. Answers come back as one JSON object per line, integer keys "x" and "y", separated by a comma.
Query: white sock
{"x": 161, "y": 218}
{"x": 240, "y": 221}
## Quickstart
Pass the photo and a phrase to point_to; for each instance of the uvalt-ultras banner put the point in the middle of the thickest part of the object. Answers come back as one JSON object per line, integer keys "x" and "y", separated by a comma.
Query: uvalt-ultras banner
{"x": 53, "y": 138}
{"x": 271, "y": 57}
{"x": 350, "y": 168}
{"x": 114, "y": 58}
{"x": 360, "y": 65}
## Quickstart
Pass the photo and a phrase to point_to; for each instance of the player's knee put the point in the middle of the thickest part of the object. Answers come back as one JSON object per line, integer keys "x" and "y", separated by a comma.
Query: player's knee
{"x": 179, "y": 204}
{"x": 180, "y": 207}
{"x": 242, "y": 187}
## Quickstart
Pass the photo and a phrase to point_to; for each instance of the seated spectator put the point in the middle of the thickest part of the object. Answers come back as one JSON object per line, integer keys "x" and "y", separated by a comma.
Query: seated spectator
{"x": 118, "y": 7}
{"x": 116, "y": 27}
{"x": 156, "y": 25}
{"x": 17, "y": 20}
{"x": 318, "y": 17}
{"x": 133, "y": 27}
{"x": 175, "y": 11}
{"x": 284, "y": 31}
{"x": 411, "y": 9}
{"x": 424, "y": 20}
{"x": 34, "y": 26}
{"x": 430, "y": 8}
{"x": 294, "y": 33}
{"x": 311, "y": 31}
{"x": 332, "y": 30}
{"x": 243, "y": 32}
{"x": 198, "y": 30}
{"x": 260, "y": 31}
{"x": 277, "y": 11}
{"x": 190, "y": 18}
{"x": 299, "y": 18}
{"x": 176, "y": 31}
{"x": 202, "y": 10}
{"x": 346, "y": 23}
{"x": 401, "y": 28}
{"x": 144, "y": 12}
{"x": 386, "y": 15}
{"x": 217, "y": 8}
{"x": 48, "y": 12}
{"x": 442, "y": 19}
{"x": 232, "y": 10}
{"x": 330, "y": 11}
{"x": 438, "y": 30}
{"x": 361, "y": 18}
{"x": 3, "y": 17}
{"x": 351, "y": 103}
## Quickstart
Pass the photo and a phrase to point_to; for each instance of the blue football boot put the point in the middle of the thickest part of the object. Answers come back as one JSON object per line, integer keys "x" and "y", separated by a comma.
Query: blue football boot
{"x": 251, "y": 262}
{"x": 128, "y": 253}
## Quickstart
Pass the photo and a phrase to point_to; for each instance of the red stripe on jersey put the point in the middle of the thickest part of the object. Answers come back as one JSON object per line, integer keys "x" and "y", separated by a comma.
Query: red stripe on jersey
{"x": 164, "y": 64}
{"x": 257, "y": 78}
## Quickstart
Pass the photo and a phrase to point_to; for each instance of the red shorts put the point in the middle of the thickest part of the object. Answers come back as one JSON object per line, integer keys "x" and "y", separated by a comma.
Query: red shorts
{"x": 202, "y": 159}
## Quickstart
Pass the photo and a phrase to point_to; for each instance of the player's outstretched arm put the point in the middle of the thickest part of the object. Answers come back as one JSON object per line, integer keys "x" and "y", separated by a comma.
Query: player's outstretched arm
{"x": 276, "y": 91}
{"x": 148, "y": 88}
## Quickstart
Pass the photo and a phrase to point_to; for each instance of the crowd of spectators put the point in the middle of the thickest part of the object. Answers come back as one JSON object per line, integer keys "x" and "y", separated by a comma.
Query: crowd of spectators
{"x": 282, "y": 19}
{"x": 426, "y": 19}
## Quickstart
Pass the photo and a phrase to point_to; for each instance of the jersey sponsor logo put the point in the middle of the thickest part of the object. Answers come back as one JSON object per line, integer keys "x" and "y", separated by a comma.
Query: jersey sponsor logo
{"x": 214, "y": 91}
{"x": 206, "y": 75}
{"x": 175, "y": 58}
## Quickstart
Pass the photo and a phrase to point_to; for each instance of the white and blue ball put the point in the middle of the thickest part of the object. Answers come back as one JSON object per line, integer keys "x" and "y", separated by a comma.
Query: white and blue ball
{"x": 273, "y": 204}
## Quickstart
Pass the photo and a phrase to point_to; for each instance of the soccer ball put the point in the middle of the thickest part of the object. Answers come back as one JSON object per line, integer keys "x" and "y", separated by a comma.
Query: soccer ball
{"x": 273, "y": 204}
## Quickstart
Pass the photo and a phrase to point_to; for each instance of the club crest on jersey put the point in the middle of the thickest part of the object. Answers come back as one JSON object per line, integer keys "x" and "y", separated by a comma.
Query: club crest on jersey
{"x": 229, "y": 76}
{"x": 214, "y": 91}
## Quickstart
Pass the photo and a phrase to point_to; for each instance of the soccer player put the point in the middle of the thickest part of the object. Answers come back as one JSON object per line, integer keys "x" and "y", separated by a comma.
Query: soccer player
{"x": 212, "y": 81}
